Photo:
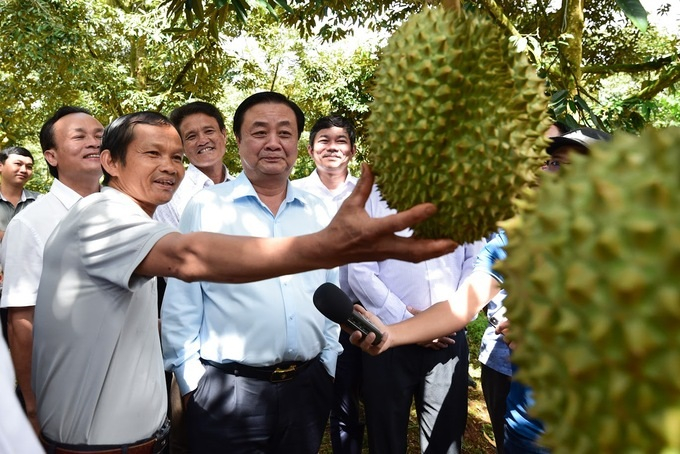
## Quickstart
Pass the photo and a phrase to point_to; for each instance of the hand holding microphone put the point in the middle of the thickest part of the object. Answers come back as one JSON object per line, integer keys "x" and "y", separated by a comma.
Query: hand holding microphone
{"x": 332, "y": 302}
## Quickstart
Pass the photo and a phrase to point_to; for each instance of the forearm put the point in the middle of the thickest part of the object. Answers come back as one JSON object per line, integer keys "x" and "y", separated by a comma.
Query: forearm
{"x": 20, "y": 334}
{"x": 203, "y": 256}
{"x": 449, "y": 316}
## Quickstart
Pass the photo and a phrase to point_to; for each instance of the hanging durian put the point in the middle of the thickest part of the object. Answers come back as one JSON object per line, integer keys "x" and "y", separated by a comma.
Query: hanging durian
{"x": 593, "y": 281}
{"x": 458, "y": 119}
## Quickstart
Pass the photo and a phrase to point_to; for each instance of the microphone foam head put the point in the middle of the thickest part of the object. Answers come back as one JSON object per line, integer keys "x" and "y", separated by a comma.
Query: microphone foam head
{"x": 332, "y": 302}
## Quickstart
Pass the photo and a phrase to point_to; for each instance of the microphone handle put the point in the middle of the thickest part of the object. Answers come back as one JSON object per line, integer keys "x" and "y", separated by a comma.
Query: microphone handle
{"x": 358, "y": 323}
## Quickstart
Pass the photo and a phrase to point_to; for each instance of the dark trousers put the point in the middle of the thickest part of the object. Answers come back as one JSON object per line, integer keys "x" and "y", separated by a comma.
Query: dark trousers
{"x": 496, "y": 387}
{"x": 436, "y": 379}
{"x": 235, "y": 414}
{"x": 347, "y": 429}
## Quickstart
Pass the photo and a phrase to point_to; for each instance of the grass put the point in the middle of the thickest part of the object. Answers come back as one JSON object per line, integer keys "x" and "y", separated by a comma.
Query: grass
{"x": 478, "y": 437}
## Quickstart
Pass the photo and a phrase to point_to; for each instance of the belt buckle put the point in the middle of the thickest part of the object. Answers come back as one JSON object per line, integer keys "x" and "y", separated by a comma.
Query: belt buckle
{"x": 280, "y": 374}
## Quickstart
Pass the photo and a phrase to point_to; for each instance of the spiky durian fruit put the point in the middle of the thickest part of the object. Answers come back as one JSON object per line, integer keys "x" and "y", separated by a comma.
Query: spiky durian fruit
{"x": 593, "y": 280}
{"x": 458, "y": 119}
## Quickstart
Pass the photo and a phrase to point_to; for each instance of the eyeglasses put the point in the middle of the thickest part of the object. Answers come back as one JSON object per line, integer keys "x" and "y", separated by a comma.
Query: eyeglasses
{"x": 550, "y": 163}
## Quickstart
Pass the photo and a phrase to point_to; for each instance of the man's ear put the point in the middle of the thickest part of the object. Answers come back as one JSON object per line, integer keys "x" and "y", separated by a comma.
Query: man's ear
{"x": 51, "y": 157}
{"x": 309, "y": 151}
{"x": 354, "y": 151}
{"x": 110, "y": 166}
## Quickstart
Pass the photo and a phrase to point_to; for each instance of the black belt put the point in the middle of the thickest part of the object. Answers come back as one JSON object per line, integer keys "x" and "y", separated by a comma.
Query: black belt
{"x": 276, "y": 373}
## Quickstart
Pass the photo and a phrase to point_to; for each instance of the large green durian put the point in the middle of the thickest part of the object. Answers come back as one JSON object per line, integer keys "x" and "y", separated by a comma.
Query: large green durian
{"x": 458, "y": 119}
{"x": 593, "y": 280}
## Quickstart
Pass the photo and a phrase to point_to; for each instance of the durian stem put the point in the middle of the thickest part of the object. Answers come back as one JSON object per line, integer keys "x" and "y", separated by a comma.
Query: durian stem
{"x": 453, "y": 5}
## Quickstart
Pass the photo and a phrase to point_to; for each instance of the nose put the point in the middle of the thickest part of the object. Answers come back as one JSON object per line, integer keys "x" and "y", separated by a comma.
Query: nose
{"x": 202, "y": 139}
{"x": 94, "y": 142}
{"x": 273, "y": 142}
{"x": 168, "y": 165}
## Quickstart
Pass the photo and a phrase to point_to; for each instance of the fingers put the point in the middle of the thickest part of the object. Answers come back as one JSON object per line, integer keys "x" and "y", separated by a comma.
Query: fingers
{"x": 365, "y": 343}
{"x": 404, "y": 219}
{"x": 363, "y": 188}
{"x": 438, "y": 344}
{"x": 416, "y": 250}
{"x": 413, "y": 310}
{"x": 503, "y": 327}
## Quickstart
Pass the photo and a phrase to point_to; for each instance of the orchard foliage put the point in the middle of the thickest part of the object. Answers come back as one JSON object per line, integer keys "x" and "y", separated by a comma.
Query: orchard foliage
{"x": 117, "y": 56}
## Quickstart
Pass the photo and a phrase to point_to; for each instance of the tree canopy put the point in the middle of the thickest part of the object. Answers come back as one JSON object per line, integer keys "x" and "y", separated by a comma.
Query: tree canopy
{"x": 118, "y": 56}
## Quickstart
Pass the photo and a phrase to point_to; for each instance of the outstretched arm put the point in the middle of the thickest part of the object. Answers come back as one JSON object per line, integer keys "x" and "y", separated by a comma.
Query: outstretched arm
{"x": 438, "y": 320}
{"x": 352, "y": 236}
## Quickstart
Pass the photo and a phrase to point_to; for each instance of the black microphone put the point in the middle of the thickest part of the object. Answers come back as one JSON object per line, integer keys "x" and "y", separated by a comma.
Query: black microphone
{"x": 332, "y": 302}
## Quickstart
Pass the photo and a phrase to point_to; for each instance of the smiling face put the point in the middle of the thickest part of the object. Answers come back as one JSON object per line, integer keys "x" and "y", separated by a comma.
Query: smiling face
{"x": 153, "y": 166}
{"x": 16, "y": 170}
{"x": 204, "y": 142}
{"x": 77, "y": 138}
{"x": 268, "y": 142}
{"x": 332, "y": 150}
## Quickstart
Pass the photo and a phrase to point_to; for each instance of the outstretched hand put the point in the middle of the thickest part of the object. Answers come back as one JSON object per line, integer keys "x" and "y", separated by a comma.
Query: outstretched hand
{"x": 361, "y": 238}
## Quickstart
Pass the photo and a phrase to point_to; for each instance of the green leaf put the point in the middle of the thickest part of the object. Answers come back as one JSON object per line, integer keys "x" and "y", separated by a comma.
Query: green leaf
{"x": 634, "y": 11}
{"x": 240, "y": 9}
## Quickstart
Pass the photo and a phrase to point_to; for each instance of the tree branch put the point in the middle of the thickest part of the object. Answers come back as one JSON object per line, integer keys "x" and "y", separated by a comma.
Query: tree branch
{"x": 666, "y": 79}
{"x": 631, "y": 68}
{"x": 185, "y": 69}
{"x": 499, "y": 16}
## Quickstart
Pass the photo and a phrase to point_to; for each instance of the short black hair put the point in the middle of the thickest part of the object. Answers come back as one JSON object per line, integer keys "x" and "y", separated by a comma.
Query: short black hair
{"x": 21, "y": 151}
{"x": 47, "y": 131}
{"x": 333, "y": 121}
{"x": 270, "y": 97}
{"x": 178, "y": 115}
{"x": 120, "y": 133}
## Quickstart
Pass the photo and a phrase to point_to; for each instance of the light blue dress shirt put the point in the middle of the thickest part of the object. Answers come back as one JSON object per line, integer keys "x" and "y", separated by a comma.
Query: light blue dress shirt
{"x": 257, "y": 324}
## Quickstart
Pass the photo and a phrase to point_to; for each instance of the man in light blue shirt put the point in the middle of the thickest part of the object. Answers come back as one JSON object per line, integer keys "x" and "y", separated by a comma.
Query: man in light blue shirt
{"x": 254, "y": 362}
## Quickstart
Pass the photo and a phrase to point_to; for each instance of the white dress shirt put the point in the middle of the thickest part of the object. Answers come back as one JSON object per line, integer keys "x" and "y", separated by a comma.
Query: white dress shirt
{"x": 333, "y": 199}
{"x": 25, "y": 238}
{"x": 386, "y": 288}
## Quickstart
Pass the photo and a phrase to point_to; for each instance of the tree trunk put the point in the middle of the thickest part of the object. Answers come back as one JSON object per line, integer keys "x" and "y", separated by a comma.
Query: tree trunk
{"x": 572, "y": 47}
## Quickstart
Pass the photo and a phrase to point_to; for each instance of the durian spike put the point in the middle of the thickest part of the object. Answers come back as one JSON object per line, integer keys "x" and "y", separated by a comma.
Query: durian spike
{"x": 453, "y": 5}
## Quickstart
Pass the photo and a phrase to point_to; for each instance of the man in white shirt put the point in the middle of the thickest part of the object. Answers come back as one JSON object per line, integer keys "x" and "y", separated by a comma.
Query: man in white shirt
{"x": 204, "y": 136}
{"x": 70, "y": 141}
{"x": 433, "y": 373}
{"x": 97, "y": 366}
{"x": 332, "y": 147}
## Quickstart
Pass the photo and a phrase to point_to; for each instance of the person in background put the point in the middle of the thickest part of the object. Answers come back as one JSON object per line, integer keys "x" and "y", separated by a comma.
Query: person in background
{"x": 484, "y": 284}
{"x": 204, "y": 137}
{"x": 494, "y": 353}
{"x": 70, "y": 141}
{"x": 332, "y": 145}
{"x": 16, "y": 168}
{"x": 434, "y": 372}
